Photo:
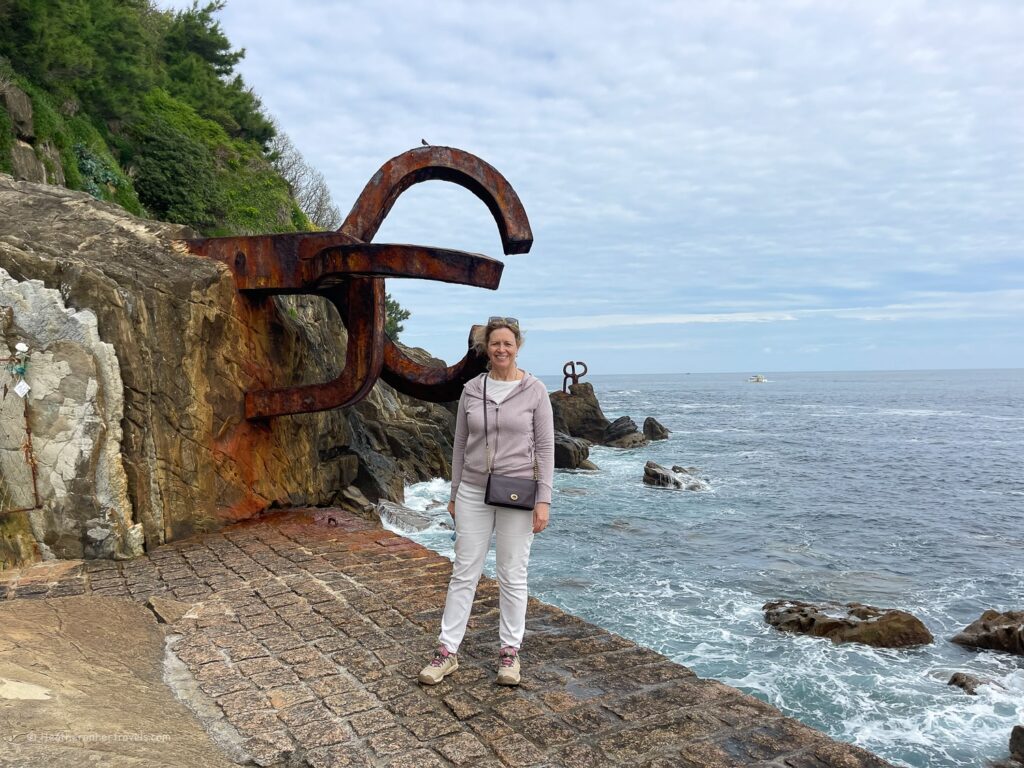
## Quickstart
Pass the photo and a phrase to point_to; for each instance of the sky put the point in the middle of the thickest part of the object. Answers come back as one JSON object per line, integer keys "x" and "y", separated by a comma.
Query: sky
{"x": 788, "y": 185}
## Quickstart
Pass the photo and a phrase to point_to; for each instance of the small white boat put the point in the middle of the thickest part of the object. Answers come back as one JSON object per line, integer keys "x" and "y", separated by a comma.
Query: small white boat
{"x": 757, "y": 378}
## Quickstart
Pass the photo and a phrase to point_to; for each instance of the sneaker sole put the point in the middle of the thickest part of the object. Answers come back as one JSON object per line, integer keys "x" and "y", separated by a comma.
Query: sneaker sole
{"x": 507, "y": 681}
{"x": 430, "y": 681}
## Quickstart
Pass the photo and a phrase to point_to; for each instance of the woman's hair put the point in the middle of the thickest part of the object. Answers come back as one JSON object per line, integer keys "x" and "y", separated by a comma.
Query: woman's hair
{"x": 482, "y": 333}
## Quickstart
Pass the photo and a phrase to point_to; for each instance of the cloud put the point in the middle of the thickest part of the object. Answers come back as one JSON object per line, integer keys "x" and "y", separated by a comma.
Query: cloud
{"x": 699, "y": 161}
{"x": 941, "y": 306}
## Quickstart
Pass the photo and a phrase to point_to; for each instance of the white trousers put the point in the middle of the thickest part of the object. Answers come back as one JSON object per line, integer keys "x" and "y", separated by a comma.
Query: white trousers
{"x": 475, "y": 521}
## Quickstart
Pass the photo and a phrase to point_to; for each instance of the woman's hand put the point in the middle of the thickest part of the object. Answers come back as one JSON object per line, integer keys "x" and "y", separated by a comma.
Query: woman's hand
{"x": 541, "y": 513}
{"x": 451, "y": 509}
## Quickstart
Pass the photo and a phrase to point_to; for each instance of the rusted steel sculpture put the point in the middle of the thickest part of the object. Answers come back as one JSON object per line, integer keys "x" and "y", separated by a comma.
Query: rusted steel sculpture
{"x": 349, "y": 270}
{"x": 569, "y": 369}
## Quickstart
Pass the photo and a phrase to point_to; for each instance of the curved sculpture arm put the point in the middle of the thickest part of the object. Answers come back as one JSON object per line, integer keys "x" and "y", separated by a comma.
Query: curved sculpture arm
{"x": 435, "y": 385}
{"x": 448, "y": 164}
{"x": 360, "y": 302}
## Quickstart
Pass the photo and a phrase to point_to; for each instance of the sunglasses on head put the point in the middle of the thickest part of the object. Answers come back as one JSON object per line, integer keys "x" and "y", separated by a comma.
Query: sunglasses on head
{"x": 509, "y": 320}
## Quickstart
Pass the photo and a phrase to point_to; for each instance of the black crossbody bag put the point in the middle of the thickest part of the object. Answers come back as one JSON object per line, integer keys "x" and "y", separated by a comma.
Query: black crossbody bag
{"x": 501, "y": 490}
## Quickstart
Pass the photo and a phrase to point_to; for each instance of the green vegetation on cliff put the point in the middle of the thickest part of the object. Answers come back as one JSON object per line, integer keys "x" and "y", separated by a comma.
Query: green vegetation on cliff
{"x": 145, "y": 110}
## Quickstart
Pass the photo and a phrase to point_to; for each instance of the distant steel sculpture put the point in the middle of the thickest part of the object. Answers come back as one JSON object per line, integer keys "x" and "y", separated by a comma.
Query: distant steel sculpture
{"x": 348, "y": 270}
{"x": 569, "y": 369}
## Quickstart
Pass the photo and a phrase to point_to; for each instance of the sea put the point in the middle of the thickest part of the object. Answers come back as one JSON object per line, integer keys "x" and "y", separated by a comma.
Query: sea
{"x": 898, "y": 489}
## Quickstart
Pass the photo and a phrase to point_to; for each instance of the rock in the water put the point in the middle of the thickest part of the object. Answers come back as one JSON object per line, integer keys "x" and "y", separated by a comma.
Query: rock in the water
{"x": 570, "y": 452}
{"x": 849, "y": 623}
{"x": 589, "y": 465}
{"x": 969, "y": 683}
{"x": 578, "y": 414}
{"x": 657, "y": 475}
{"x": 677, "y": 477}
{"x": 145, "y": 353}
{"x": 653, "y": 430}
{"x": 1017, "y": 742}
{"x": 622, "y": 433}
{"x": 995, "y": 630}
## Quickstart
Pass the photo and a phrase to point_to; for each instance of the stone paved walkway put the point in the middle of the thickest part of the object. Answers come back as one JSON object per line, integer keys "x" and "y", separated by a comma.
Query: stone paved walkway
{"x": 308, "y": 628}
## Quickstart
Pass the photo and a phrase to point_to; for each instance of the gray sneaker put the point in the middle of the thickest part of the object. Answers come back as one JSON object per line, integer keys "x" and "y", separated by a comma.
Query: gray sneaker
{"x": 508, "y": 666}
{"x": 443, "y": 664}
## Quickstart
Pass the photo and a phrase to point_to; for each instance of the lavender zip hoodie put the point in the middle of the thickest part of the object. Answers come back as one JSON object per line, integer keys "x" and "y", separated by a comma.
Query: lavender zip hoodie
{"x": 519, "y": 429}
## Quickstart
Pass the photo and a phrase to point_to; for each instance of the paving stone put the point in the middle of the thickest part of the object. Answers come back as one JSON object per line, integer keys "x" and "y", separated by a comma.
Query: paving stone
{"x": 418, "y": 758}
{"x": 580, "y": 756}
{"x": 270, "y": 749}
{"x": 315, "y": 669}
{"x": 248, "y": 700}
{"x": 258, "y": 620}
{"x": 372, "y": 721}
{"x": 559, "y": 701}
{"x": 547, "y": 731}
{"x": 259, "y": 666}
{"x": 289, "y": 695}
{"x": 275, "y": 679}
{"x": 337, "y": 756}
{"x": 330, "y": 686}
{"x": 518, "y": 710}
{"x": 392, "y": 742}
{"x": 306, "y": 712}
{"x": 389, "y": 688}
{"x": 255, "y": 723}
{"x": 243, "y": 651}
{"x": 490, "y": 728}
{"x": 349, "y": 703}
{"x": 301, "y": 655}
{"x": 462, "y": 748}
{"x": 283, "y": 641}
{"x": 430, "y": 726}
{"x": 321, "y": 733}
{"x": 462, "y": 706}
{"x": 317, "y": 631}
{"x": 413, "y": 704}
{"x": 515, "y": 750}
{"x": 587, "y": 719}
{"x": 225, "y": 685}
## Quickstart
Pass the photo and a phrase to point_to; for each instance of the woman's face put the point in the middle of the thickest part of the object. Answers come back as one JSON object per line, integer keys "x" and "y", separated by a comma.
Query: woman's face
{"x": 501, "y": 350}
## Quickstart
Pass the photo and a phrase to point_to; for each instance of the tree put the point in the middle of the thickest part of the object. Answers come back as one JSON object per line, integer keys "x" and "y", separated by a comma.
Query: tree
{"x": 308, "y": 185}
{"x": 395, "y": 315}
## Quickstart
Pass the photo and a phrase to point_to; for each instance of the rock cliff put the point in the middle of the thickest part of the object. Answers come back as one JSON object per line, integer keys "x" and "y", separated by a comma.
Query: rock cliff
{"x": 139, "y": 357}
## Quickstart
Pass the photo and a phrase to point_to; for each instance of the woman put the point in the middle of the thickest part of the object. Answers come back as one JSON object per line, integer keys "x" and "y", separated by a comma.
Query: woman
{"x": 519, "y": 443}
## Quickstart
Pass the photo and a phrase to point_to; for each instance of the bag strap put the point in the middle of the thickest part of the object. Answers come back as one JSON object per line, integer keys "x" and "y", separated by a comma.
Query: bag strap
{"x": 487, "y": 449}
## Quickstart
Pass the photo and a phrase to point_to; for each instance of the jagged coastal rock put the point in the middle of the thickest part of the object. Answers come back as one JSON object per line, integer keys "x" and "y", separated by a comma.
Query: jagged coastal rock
{"x": 578, "y": 413}
{"x": 995, "y": 630}
{"x": 622, "y": 433}
{"x": 143, "y": 353}
{"x": 30, "y": 160}
{"x": 849, "y": 623}
{"x": 572, "y": 452}
{"x": 969, "y": 683}
{"x": 653, "y": 429}
{"x": 677, "y": 477}
{"x": 1017, "y": 743}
